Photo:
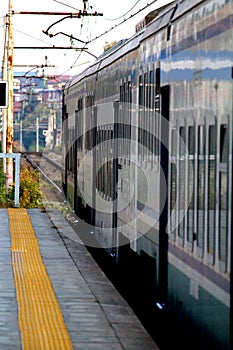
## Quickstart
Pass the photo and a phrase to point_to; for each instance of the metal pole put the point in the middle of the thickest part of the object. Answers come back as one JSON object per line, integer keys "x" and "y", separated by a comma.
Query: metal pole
{"x": 17, "y": 178}
{"x": 9, "y": 131}
{"x": 37, "y": 134}
{"x": 21, "y": 136}
{"x": 54, "y": 125}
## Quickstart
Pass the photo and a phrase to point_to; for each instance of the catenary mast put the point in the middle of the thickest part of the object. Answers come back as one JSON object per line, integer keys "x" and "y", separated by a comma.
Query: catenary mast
{"x": 10, "y": 68}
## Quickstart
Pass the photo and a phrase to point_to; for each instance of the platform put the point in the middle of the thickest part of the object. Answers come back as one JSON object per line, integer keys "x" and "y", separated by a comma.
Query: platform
{"x": 53, "y": 295}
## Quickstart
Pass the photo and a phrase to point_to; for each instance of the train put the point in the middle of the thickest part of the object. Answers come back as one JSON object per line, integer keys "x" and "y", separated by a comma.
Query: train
{"x": 147, "y": 163}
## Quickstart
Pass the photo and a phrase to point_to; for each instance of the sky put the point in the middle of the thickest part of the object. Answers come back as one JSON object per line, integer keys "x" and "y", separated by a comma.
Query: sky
{"x": 28, "y": 31}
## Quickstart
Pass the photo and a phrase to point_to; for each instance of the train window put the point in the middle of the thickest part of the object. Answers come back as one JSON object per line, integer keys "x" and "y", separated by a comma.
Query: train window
{"x": 223, "y": 144}
{"x": 121, "y": 93}
{"x": 128, "y": 124}
{"x": 181, "y": 181}
{"x": 141, "y": 93}
{"x": 200, "y": 188}
{"x": 182, "y": 141}
{"x": 151, "y": 112}
{"x": 124, "y": 122}
{"x": 223, "y": 218}
{"x": 141, "y": 103}
{"x": 97, "y": 159}
{"x": 151, "y": 89}
{"x": 145, "y": 118}
{"x": 190, "y": 213}
{"x": 173, "y": 194}
{"x": 191, "y": 137}
{"x": 104, "y": 162}
{"x": 223, "y": 195}
{"x": 89, "y": 101}
{"x": 125, "y": 92}
{"x": 157, "y": 81}
{"x": 146, "y": 100}
{"x": 130, "y": 91}
{"x": 211, "y": 189}
{"x": 120, "y": 133}
{"x": 174, "y": 143}
{"x": 157, "y": 100}
{"x": 79, "y": 121}
{"x": 173, "y": 184}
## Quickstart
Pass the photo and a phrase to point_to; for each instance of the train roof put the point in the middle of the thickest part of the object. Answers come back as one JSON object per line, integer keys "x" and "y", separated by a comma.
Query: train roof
{"x": 163, "y": 17}
{"x": 118, "y": 50}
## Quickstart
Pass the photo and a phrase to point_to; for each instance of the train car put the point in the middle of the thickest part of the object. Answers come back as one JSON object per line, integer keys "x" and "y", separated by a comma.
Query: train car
{"x": 147, "y": 162}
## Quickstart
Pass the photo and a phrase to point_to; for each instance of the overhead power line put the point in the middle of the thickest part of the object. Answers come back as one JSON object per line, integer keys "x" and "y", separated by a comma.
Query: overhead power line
{"x": 62, "y": 3}
{"x": 126, "y": 13}
{"x": 124, "y": 21}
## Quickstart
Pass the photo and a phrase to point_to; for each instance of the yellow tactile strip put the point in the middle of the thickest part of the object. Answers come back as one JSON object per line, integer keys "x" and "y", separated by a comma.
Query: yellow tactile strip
{"x": 40, "y": 319}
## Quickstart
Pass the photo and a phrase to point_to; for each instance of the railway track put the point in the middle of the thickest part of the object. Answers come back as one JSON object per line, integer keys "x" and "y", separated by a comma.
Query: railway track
{"x": 51, "y": 176}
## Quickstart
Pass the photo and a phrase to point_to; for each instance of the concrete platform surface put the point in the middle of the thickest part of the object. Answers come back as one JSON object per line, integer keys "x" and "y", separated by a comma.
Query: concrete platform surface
{"x": 95, "y": 314}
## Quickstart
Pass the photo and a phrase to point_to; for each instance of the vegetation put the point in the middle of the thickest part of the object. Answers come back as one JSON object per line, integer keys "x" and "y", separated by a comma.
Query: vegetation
{"x": 3, "y": 195}
{"x": 30, "y": 195}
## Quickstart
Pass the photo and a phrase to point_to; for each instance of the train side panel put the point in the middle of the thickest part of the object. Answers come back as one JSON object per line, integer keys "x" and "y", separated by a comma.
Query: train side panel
{"x": 148, "y": 162}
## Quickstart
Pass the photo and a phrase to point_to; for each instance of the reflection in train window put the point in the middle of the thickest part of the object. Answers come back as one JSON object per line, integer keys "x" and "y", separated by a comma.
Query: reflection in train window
{"x": 211, "y": 190}
{"x": 151, "y": 89}
{"x": 151, "y": 112}
{"x": 141, "y": 93}
{"x": 223, "y": 218}
{"x": 124, "y": 121}
{"x": 181, "y": 182}
{"x": 79, "y": 121}
{"x": 223, "y": 144}
{"x": 140, "y": 116}
{"x": 174, "y": 143}
{"x": 145, "y": 118}
{"x": 223, "y": 195}
{"x": 173, "y": 197}
{"x": 200, "y": 187}
{"x": 104, "y": 163}
{"x": 128, "y": 123}
{"x": 173, "y": 184}
{"x": 190, "y": 214}
{"x": 89, "y": 102}
{"x": 146, "y": 90}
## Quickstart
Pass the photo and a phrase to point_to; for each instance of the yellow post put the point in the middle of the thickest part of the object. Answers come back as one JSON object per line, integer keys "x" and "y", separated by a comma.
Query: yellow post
{"x": 9, "y": 131}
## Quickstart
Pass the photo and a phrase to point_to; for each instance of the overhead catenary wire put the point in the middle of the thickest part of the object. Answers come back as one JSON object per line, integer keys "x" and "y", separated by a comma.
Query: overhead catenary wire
{"x": 110, "y": 29}
{"x": 31, "y": 36}
{"x": 124, "y": 21}
{"x": 90, "y": 40}
{"x": 62, "y": 3}
{"x": 126, "y": 13}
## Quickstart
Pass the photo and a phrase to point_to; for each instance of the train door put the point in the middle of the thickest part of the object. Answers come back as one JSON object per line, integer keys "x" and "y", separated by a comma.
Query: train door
{"x": 163, "y": 106}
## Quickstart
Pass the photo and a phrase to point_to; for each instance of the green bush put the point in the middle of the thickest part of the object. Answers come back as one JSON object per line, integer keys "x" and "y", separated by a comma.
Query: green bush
{"x": 30, "y": 195}
{"x": 2, "y": 189}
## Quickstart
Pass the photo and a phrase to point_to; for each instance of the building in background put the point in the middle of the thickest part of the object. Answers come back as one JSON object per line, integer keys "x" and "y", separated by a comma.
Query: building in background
{"x": 37, "y": 110}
